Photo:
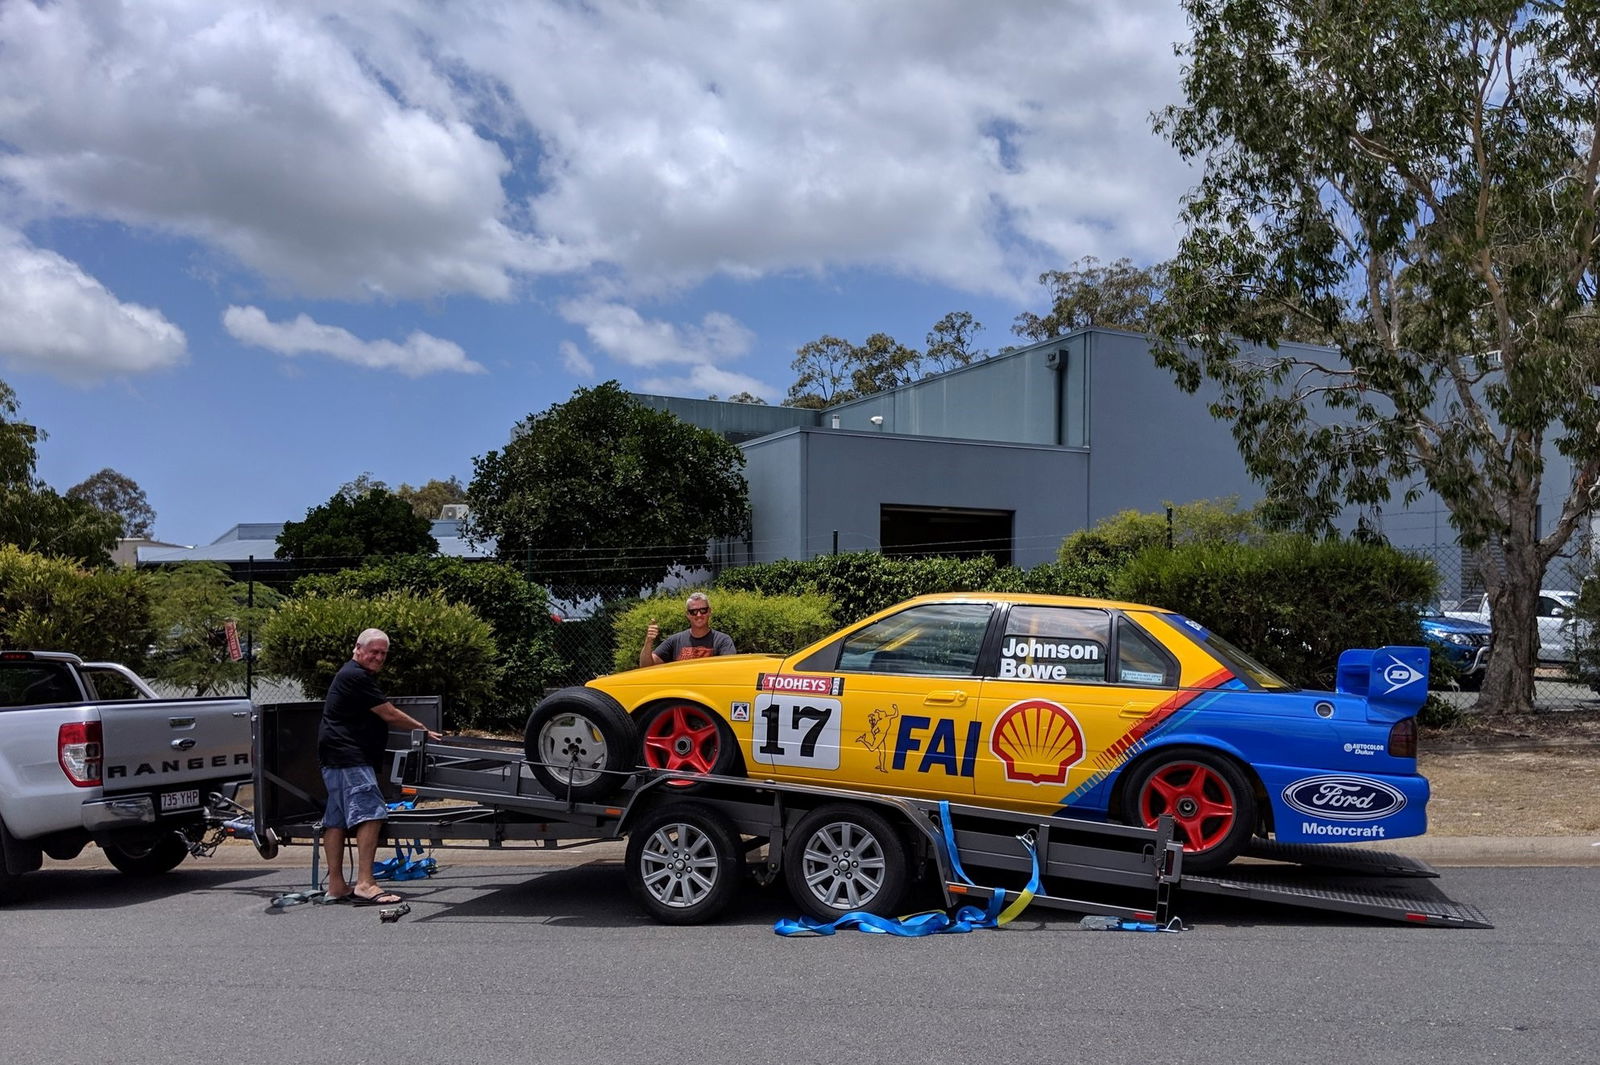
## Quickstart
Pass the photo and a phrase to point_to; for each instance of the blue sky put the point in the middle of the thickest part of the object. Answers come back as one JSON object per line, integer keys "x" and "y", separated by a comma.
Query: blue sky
{"x": 249, "y": 251}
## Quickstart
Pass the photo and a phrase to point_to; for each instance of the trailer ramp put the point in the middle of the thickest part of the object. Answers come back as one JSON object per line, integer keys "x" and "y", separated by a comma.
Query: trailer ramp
{"x": 1331, "y": 878}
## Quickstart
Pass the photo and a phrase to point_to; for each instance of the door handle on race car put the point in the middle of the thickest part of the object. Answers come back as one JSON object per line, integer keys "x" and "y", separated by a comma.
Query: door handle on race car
{"x": 945, "y": 698}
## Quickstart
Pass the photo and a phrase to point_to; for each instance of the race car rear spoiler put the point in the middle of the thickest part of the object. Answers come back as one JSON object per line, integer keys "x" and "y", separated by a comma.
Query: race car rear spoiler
{"x": 1394, "y": 680}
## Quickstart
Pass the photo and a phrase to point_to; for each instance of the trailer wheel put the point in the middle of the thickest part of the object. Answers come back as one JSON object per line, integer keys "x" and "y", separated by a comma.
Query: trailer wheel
{"x": 580, "y": 744}
{"x": 1211, "y": 803}
{"x": 684, "y": 863}
{"x": 843, "y": 858}
{"x": 146, "y": 855}
{"x": 685, "y": 737}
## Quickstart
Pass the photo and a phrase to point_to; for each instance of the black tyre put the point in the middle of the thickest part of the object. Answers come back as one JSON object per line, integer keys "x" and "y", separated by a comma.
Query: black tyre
{"x": 580, "y": 744}
{"x": 1211, "y": 802}
{"x": 843, "y": 858}
{"x": 1472, "y": 682}
{"x": 685, "y": 737}
{"x": 146, "y": 855}
{"x": 684, "y": 863}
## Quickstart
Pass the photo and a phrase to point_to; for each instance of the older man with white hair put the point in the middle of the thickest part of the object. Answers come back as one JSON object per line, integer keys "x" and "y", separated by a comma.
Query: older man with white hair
{"x": 356, "y": 719}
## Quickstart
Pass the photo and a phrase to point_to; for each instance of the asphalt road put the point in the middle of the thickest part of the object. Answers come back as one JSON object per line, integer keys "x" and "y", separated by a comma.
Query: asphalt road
{"x": 553, "y": 964}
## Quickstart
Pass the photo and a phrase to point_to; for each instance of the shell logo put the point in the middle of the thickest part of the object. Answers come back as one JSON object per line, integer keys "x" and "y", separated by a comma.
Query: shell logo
{"x": 1037, "y": 740}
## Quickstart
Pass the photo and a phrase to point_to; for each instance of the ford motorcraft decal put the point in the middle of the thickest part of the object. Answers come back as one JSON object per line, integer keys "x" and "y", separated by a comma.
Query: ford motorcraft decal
{"x": 1342, "y": 798}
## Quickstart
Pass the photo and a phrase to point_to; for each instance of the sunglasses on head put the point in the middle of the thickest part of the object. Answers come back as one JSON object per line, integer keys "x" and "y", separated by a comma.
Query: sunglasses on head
{"x": 697, "y": 610}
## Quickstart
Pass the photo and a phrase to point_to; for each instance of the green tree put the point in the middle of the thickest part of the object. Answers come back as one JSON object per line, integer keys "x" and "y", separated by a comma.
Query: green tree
{"x": 430, "y": 500}
{"x": 120, "y": 495}
{"x": 374, "y": 523}
{"x": 53, "y": 604}
{"x": 824, "y": 366}
{"x": 436, "y": 648}
{"x": 517, "y": 610}
{"x": 1118, "y": 296}
{"x": 190, "y": 606}
{"x": 601, "y": 489}
{"x": 950, "y": 342}
{"x": 32, "y": 515}
{"x": 1437, "y": 218}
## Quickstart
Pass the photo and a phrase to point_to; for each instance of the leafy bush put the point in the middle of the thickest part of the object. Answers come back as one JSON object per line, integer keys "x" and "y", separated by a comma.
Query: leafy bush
{"x": 1438, "y": 712}
{"x": 1292, "y": 602}
{"x": 50, "y": 604}
{"x": 776, "y": 624}
{"x": 516, "y": 609}
{"x": 1095, "y": 556}
{"x": 436, "y": 648}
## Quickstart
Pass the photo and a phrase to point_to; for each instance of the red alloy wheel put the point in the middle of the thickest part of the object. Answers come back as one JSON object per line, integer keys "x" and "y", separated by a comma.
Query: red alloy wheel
{"x": 1202, "y": 803}
{"x": 683, "y": 739}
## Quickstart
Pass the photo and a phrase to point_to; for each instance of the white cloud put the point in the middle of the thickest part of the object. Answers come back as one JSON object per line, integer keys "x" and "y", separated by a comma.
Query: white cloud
{"x": 254, "y": 128}
{"x": 575, "y": 361}
{"x": 425, "y": 149}
{"x": 625, "y": 335}
{"x": 420, "y": 354}
{"x": 57, "y": 319}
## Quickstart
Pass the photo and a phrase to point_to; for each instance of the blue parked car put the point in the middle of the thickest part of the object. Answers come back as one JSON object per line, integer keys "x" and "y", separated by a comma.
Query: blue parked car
{"x": 1465, "y": 644}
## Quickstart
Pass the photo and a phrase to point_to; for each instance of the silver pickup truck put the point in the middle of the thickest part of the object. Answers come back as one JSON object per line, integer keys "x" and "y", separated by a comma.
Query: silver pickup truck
{"x": 89, "y": 753}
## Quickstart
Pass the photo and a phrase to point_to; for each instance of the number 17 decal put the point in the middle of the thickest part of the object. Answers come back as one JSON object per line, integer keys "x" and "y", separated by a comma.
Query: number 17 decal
{"x": 798, "y": 730}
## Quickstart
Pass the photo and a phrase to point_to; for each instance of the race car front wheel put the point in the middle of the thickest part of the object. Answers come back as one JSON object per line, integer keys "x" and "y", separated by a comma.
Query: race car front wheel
{"x": 1212, "y": 805}
{"x": 684, "y": 737}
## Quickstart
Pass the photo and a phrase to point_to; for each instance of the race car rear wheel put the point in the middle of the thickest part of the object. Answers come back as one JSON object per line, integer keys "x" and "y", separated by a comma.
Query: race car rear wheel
{"x": 579, "y": 744}
{"x": 1212, "y": 805}
{"x": 684, "y": 863}
{"x": 685, "y": 737}
{"x": 844, "y": 858}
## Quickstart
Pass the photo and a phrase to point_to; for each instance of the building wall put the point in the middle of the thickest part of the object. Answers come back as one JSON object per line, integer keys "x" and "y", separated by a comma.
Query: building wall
{"x": 1151, "y": 443}
{"x": 808, "y": 484}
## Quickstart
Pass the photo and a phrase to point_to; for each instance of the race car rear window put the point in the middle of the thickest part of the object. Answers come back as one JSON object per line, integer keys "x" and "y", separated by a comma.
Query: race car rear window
{"x": 1057, "y": 643}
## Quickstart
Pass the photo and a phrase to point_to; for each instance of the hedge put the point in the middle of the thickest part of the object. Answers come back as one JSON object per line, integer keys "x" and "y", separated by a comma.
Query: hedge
{"x": 773, "y": 624}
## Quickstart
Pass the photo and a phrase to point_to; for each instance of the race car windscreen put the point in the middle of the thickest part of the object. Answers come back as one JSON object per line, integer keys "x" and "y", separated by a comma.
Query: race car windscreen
{"x": 1242, "y": 665}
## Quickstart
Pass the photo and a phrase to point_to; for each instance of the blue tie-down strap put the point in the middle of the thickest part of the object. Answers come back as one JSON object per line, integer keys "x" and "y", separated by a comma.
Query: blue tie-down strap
{"x": 966, "y": 919}
{"x": 410, "y": 861}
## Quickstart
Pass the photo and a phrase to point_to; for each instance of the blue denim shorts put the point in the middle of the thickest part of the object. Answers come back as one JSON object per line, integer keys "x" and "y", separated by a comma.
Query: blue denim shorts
{"x": 353, "y": 797}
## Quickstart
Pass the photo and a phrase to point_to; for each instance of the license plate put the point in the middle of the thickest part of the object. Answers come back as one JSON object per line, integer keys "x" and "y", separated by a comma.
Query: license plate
{"x": 180, "y": 800}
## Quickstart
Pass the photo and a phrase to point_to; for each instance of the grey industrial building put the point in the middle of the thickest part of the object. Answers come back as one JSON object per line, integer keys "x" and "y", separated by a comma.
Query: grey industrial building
{"x": 1008, "y": 456}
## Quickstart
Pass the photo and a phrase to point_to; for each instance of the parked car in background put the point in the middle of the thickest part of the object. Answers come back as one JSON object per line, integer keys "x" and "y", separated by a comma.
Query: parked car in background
{"x": 1558, "y": 629}
{"x": 1462, "y": 642}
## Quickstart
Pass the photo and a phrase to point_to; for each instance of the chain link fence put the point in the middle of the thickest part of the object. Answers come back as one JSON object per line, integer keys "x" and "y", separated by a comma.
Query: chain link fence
{"x": 584, "y": 638}
{"x": 1565, "y": 677}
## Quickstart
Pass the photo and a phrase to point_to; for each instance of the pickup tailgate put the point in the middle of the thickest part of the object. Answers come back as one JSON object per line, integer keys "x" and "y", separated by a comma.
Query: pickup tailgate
{"x": 161, "y": 744}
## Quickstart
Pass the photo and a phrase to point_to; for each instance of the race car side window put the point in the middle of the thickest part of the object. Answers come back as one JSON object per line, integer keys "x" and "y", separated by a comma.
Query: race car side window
{"x": 939, "y": 639}
{"x": 1141, "y": 660}
{"x": 1068, "y": 644}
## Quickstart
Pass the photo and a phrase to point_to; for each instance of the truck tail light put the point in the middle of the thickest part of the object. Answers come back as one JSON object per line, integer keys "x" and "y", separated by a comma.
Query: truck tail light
{"x": 78, "y": 751}
{"x": 1403, "y": 739}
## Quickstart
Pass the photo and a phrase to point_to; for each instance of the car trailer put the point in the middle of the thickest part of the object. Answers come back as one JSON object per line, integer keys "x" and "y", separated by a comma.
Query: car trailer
{"x": 692, "y": 841}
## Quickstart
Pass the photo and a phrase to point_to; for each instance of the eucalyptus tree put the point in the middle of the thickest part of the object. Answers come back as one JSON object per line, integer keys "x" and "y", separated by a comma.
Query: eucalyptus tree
{"x": 1415, "y": 180}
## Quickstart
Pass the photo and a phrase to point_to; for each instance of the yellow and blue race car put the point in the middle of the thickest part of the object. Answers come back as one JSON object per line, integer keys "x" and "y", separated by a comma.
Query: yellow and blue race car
{"x": 1057, "y": 705}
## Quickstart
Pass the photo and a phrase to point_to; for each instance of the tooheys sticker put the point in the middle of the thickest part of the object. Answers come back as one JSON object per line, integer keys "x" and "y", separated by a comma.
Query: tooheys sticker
{"x": 799, "y": 685}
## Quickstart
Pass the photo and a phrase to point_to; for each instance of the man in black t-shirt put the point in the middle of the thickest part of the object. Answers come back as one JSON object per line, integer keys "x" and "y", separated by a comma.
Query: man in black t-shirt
{"x": 699, "y": 640}
{"x": 356, "y": 719}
